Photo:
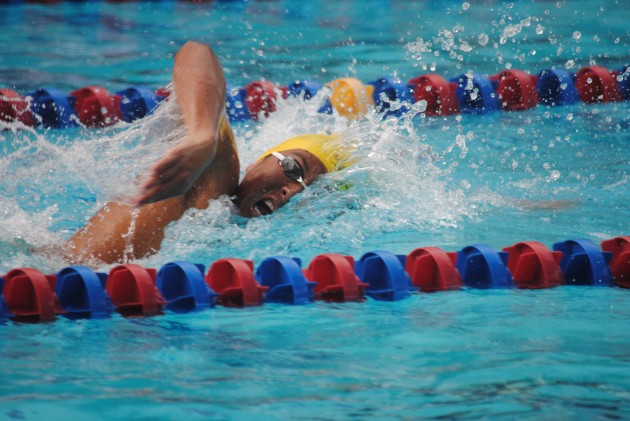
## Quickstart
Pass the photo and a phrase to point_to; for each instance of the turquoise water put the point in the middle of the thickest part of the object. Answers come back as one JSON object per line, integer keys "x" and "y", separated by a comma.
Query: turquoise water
{"x": 547, "y": 174}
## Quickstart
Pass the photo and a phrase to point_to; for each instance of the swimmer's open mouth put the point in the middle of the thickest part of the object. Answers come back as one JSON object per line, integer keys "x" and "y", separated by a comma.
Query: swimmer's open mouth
{"x": 263, "y": 207}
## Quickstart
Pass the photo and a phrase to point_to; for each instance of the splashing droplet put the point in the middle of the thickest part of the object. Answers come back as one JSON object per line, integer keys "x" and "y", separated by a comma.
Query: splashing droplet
{"x": 482, "y": 39}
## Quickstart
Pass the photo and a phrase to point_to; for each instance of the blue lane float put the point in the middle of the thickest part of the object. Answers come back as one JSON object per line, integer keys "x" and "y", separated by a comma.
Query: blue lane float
{"x": 27, "y": 294}
{"x": 387, "y": 92}
{"x": 476, "y": 94}
{"x": 137, "y": 102}
{"x": 4, "y": 308}
{"x": 236, "y": 106}
{"x": 306, "y": 88}
{"x": 384, "y": 272}
{"x": 556, "y": 87}
{"x": 184, "y": 288}
{"x": 583, "y": 263}
{"x": 81, "y": 293}
{"x": 483, "y": 267}
{"x": 624, "y": 82}
{"x": 285, "y": 280}
{"x": 55, "y": 109}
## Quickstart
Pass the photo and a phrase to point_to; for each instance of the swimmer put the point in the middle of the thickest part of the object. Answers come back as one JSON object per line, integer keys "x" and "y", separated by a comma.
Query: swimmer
{"x": 202, "y": 167}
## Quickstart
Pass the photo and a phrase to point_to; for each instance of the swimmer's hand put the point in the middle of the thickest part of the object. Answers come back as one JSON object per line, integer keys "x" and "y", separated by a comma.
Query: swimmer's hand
{"x": 179, "y": 168}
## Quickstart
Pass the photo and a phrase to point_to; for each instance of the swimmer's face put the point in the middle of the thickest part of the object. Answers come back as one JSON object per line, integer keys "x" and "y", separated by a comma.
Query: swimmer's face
{"x": 266, "y": 187}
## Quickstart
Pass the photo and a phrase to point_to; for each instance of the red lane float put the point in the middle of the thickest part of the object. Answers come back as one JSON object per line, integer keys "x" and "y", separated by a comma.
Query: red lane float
{"x": 516, "y": 89}
{"x": 597, "y": 84}
{"x": 437, "y": 92}
{"x": 261, "y": 97}
{"x": 133, "y": 291}
{"x": 432, "y": 269}
{"x": 30, "y": 295}
{"x": 14, "y": 107}
{"x": 234, "y": 281}
{"x": 620, "y": 261}
{"x": 163, "y": 92}
{"x": 534, "y": 266}
{"x": 96, "y": 107}
{"x": 335, "y": 278}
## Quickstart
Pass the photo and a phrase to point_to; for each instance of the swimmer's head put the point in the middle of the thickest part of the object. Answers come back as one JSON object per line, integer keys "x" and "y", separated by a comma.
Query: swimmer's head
{"x": 270, "y": 182}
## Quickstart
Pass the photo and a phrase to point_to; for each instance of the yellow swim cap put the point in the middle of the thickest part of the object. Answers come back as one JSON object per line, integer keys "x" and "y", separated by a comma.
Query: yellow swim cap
{"x": 350, "y": 97}
{"x": 327, "y": 148}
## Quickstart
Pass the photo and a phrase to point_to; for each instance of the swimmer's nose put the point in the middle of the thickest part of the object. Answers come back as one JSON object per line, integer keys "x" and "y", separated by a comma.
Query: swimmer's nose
{"x": 285, "y": 192}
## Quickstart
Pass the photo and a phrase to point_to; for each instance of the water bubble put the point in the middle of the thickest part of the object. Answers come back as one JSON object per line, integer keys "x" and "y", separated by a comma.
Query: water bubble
{"x": 103, "y": 110}
{"x": 570, "y": 116}
{"x": 569, "y": 64}
{"x": 577, "y": 35}
{"x": 555, "y": 175}
{"x": 465, "y": 5}
{"x": 482, "y": 39}
{"x": 540, "y": 29}
{"x": 589, "y": 80}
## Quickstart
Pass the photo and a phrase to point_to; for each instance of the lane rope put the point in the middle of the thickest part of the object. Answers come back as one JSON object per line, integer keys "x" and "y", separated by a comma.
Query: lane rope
{"x": 509, "y": 90}
{"x": 78, "y": 292}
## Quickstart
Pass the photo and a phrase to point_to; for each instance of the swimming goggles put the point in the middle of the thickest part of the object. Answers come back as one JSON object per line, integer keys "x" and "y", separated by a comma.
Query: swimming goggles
{"x": 291, "y": 168}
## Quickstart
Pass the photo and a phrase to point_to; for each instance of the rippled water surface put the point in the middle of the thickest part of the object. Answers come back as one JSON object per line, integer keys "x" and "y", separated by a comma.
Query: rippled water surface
{"x": 547, "y": 174}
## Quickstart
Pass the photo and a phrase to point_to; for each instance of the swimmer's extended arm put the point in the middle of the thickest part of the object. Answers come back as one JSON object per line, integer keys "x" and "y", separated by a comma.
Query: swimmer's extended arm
{"x": 202, "y": 167}
{"x": 200, "y": 90}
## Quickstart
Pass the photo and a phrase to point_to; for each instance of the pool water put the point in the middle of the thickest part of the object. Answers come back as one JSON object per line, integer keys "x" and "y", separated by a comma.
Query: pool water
{"x": 547, "y": 174}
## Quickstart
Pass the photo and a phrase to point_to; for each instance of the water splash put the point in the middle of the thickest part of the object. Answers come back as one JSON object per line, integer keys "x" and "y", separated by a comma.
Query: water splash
{"x": 394, "y": 189}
